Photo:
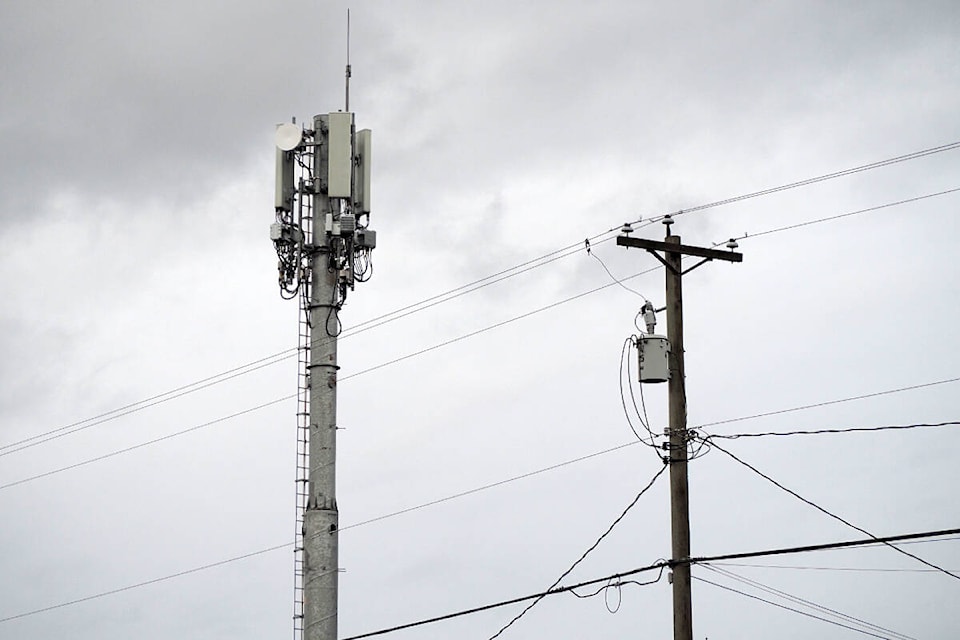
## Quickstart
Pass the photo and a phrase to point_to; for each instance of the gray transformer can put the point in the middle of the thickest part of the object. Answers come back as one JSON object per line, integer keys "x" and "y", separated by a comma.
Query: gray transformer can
{"x": 654, "y": 354}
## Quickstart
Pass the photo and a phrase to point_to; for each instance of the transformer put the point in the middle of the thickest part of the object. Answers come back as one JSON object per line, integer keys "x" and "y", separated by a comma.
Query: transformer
{"x": 654, "y": 355}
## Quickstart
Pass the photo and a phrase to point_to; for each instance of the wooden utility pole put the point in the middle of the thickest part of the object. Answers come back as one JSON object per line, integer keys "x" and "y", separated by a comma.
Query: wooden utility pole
{"x": 677, "y": 430}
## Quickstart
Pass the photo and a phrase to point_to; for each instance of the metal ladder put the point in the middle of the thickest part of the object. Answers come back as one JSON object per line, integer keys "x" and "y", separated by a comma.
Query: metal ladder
{"x": 305, "y": 202}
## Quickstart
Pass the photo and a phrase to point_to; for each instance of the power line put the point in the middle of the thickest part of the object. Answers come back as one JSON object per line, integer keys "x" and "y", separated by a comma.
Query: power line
{"x": 585, "y": 554}
{"x": 616, "y": 576}
{"x": 802, "y": 601}
{"x": 370, "y": 369}
{"x": 148, "y": 442}
{"x": 504, "y": 603}
{"x": 562, "y": 464}
{"x": 828, "y": 403}
{"x": 264, "y": 362}
{"x": 373, "y": 323}
{"x": 270, "y": 360}
{"x": 783, "y": 606}
{"x": 139, "y": 406}
{"x": 523, "y": 267}
{"x": 790, "y": 227}
{"x": 613, "y": 277}
{"x": 623, "y": 399}
{"x": 833, "y": 515}
{"x": 145, "y": 583}
{"x": 492, "y": 326}
{"x": 488, "y": 486}
{"x": 286, "y": 354}
{"x": 823, "y": 178}
{"x": 850, "y": 569}
{"x": 812, "y": 432}
{"x": 650, "y": 567}
{"x": 904, "y": 538}
{"x": 872, "y": 541}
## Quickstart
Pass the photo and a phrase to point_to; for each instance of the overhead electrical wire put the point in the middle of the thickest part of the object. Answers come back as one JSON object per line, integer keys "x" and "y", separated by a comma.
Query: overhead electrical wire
{"x": 491, "y": 485}
{"x": 375, "y": 367}
{"x": 534, "y": 263}
{"x": 620, "y": 583}
{"x": 790, "y": 227}
{"x": 905, "y": 538}
{"x": 827, "y": 403}
{"x": 820, "y": 568}
{"x": 609, "y": 273}
{"x": 814, "y": 432}
{"x": 623, "y": 398}
{"x": 585, "y": 554}
{"x": 830, "y": 514}
{"x": 471, "y": 491}
{"x": 140, "y": 405}
{"x": 148, "y": 442}
{"x": 616, "y": 576}
{"x": 598, "y": 453}
{"x": 708, "y": 424}
{"x": 783, "y": 606}
{"x": 651, "y": 567}
{"x": 146, "y": 583}
{"x": 756, "y": 584}
{"x": 101, "y": 418}
{"x": 823, "y": 178}
{"x": 504, "y": 603}
{"x": 287, "y": 354}
{"x": 492, "y": 326}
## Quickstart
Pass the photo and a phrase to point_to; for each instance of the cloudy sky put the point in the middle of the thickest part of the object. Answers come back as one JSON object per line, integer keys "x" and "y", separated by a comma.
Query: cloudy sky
{"x": 136, "y": 196}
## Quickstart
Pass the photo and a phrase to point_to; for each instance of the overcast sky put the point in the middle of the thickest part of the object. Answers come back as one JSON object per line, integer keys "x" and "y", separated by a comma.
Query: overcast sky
{"x": 136, "y": 196}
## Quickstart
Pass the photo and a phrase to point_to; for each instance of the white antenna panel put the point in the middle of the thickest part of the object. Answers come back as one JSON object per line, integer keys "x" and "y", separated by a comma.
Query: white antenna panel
{"x": 361, "y": 146}
{"x": 288, "y": 136}
{"x": 284, "y": 185}
{"x": 340, "y": 166}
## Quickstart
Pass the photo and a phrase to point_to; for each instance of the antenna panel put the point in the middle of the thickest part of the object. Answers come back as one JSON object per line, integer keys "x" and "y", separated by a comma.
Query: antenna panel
{"x": 284, "y": 188}
{"x": 340, "y": 158}
{"x": 361, "y": 146}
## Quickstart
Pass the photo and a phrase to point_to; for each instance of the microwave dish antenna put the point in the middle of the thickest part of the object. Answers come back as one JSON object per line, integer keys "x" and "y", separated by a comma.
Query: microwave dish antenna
{"x": 288, "y": 136}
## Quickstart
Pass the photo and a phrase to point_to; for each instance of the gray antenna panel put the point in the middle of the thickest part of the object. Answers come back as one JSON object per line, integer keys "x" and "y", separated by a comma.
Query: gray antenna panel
{"x": 283, "y": 199}
{"x": 361, "y": 196}
{"x": 287, "y": 137}
{"x": 340, "y": 169}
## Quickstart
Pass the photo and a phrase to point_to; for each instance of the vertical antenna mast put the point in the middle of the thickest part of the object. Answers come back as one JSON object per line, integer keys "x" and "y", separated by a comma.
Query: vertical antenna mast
{"x": 324, "y": 245}
{"x": 347, "y": 105}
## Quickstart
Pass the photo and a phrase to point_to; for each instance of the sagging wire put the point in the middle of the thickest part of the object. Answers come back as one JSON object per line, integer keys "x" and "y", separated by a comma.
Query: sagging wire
{"x": 289, "y": 256}
{"x": 586, "y": 245}
{"x": 363, "y": 265}
{"x": 616, "y": 584}
{"x": 623, "y": 397}
{"x": 583, "y": 556}
{"x": 333, "y": 313}
{"x": 643, "y": 402}
{"x": 698, "y": 447}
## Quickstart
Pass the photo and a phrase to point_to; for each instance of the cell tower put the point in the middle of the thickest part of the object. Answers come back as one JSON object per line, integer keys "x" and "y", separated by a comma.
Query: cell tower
{"x": 324, "y": 247}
